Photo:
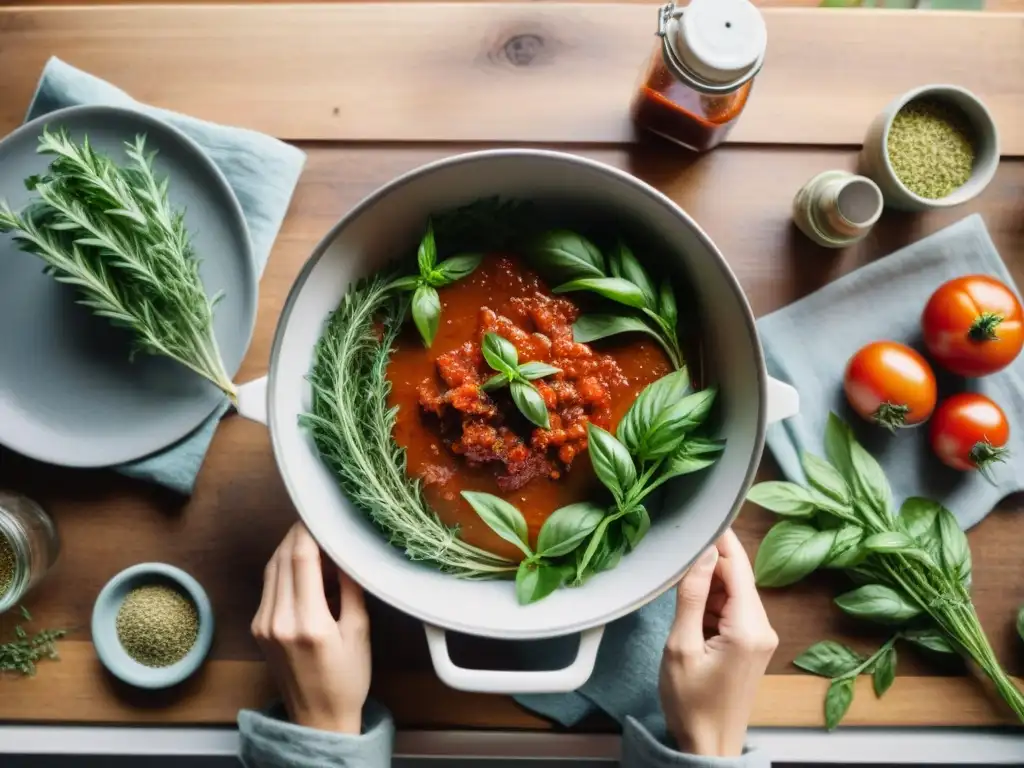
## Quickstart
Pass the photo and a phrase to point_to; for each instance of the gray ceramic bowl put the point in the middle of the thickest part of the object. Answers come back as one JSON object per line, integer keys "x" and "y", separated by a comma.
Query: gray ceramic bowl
{"x": 875, "y": 157}
{"x": 104, "y": 633}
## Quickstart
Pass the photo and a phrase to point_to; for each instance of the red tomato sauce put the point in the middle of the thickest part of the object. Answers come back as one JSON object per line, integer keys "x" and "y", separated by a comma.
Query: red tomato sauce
{"x": 458, "y": 437}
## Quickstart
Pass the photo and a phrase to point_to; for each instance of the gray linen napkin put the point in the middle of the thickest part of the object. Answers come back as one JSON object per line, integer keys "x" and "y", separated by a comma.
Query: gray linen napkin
{"x": 263, "y": 173}
{"x": 807, "y": 344}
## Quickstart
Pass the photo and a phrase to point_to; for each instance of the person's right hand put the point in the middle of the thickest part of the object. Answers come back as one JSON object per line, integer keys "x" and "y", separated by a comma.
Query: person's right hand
{"x": 717, "y": 652}
{"x": 321, "y": 665}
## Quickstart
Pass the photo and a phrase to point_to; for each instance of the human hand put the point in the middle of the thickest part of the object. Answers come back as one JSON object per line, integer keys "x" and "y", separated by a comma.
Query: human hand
{"x": 717, "y": 651}
{"x": 321, "y": 665}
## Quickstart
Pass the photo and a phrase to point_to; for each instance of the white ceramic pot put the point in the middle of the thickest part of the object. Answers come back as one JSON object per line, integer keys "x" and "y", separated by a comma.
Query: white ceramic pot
{"x": 390, "y": 222}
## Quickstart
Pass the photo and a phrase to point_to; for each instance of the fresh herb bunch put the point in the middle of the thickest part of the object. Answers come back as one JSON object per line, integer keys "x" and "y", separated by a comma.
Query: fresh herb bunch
{"x": 351, "y": 425}
{"x": 620, "y": 279}
{"x": 654, "y": 442}
{"x": 25, "y": 651}
{"x": 426, "y": 303}
{"x": 501, "y": 355}
{"x": 913, "y": 565}
{"x": 111, "y": 232}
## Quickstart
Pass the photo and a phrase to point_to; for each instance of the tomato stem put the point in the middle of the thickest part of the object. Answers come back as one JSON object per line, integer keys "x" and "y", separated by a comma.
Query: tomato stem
{"x": 984, "y": 327}
{"x": 891, "y": 416}
{"x": 984, "y": 453}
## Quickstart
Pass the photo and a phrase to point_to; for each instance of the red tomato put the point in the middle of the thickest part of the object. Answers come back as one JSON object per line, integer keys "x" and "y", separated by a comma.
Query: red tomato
{"x": 890, "y": 384}
{"x": 969, "y": 431}
{"x": 973, "y": 325}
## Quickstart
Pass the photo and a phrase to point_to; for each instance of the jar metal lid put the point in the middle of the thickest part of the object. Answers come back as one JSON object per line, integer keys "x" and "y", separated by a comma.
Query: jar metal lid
{"x": 714, "y": 46}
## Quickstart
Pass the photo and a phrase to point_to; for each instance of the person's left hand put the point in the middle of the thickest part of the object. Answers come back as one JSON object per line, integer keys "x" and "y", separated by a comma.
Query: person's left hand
{"x": 321, "y": 665}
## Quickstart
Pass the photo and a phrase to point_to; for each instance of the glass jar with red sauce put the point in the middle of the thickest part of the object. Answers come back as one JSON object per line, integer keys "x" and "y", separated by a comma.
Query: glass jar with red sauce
{"x": 701, "y": 72}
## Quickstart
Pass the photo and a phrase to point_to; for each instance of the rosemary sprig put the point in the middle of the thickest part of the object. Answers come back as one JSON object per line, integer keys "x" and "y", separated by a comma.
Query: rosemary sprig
{"x": 351, "y": 425}
{"x": 112, "y": 233}
{"x": 24, "y": 652}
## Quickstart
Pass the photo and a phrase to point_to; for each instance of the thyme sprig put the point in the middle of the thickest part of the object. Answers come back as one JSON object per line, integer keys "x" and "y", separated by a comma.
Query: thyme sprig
{"x": 25, "y": 651}
{"x": 111, "y": 232}
{"x": 351, "y": 425}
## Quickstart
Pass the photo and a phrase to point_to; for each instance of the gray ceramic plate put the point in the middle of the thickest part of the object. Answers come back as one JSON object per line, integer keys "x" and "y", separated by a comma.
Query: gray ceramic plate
{"x": 68, "y": 392}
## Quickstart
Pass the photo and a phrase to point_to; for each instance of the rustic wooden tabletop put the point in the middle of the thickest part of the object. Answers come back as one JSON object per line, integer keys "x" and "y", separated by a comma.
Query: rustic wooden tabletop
{"x": 370, "y": 91}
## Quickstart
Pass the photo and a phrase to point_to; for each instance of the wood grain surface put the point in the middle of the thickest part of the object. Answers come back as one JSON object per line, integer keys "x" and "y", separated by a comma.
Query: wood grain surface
{"x": 505, "y": 72}
{"x": 224, "y": 534}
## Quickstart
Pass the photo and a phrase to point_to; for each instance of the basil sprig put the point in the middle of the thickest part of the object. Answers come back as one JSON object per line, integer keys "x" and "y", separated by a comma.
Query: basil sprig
{"x": 912, "y": 566}
{"x": 426, "y": 303}
{"x": 654, "y": 443}
{"x": 501, "y": 355}
{"x": 621, "y": 279}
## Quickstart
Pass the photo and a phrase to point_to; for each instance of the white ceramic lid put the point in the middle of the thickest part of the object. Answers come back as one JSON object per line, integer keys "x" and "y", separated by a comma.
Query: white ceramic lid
{"x": 720, "y": 40}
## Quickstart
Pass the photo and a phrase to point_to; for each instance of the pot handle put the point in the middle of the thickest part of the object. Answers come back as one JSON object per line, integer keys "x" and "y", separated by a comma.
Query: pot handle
{"x": 508, "y": 681}
{"x": 252, "y": 400}
{"x": 783, "y": 401}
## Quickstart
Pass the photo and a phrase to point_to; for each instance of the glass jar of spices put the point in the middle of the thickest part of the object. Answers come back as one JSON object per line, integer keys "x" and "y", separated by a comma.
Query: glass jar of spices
{"x": 700, "y": 74}
{"x": 29, "y": 545}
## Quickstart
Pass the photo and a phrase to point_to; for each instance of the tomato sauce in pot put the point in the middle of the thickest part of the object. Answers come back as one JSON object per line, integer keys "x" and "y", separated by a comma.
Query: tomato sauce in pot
{"x": 458, "y": 437}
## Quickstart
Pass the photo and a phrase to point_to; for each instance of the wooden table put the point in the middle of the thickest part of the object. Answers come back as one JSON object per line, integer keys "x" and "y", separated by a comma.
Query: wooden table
{"x": 437, "y": 80}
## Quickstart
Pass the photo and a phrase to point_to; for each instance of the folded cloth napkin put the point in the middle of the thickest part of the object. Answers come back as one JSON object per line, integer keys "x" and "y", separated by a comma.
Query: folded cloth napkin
{"x": 807, "y": 344}
{"x": 263, "y": 173}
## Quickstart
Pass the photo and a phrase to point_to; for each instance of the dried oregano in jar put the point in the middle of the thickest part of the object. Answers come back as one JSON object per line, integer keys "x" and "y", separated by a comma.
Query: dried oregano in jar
{"x": 931, "y": 148}
{"x": 157, "y": 625}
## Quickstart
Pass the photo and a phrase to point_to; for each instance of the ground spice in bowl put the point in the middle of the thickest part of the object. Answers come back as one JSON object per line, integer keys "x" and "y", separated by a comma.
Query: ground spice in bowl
{"x": 157, "y": 625}
{"x": 8, "y": 565}
{"x": 931, "y": 148}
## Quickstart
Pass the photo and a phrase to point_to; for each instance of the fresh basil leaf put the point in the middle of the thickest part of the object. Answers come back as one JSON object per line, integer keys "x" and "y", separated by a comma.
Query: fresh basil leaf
{"x": 457, "y": 267}
{"x": 825, "y": 478}
{"x": 917, "y": 517}
{"x": 534, "y": 371}
{"x": 535, "y": 581}
{"x": 633, "y": 271}
{"x": 837, "y": 447}
{"x": 884, "y": 673}
{"x": 530, "y": 403}
{"x": 829, "y": 659}
{"x": 648, "y": 406}
{"x": 889, "y": 541}
{"x": 837, "y": 512}
{"x": 932, "y": 639}
{"x": 954, "y": 551}
{"x": 567, "y": 527}
{"x": 568, "y": 255}
{"x": 497, "y": 381}
{"x": 426, "y": 257}
{"x": 782, "y": 498}
{"x": 635, "y": 526}
{"x": 790, "y": 551}
{"x": 613, "y": 288}
{"x": 610, "y": 552}
{"x": 846, "y": 550}
{"x": 501, "y": 517}
{"x": 615, "y": 262}
{"x": 500, "y": 354}
{"x": 593, "y": 327}
{"x": 837, "y": 702}
{"x": 426, "y": 313}
{"x": 1020, "y": 622}
{"x": 667, "y": 304}
{"x": 692, "y": 455}
{"x": 878, "y": 603}
{"x": 870, "y": 480}
{"x": 612, "y": 463}
{"x": 671, "y": 426}
{"x": 406, "y": 283}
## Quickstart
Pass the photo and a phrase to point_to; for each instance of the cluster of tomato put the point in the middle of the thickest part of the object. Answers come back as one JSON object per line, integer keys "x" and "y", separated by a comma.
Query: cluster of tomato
{"x": 972, "y": 326}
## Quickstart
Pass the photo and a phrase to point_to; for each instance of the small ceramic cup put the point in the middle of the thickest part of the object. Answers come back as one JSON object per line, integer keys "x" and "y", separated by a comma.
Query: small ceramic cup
{"x": 104, "y": 631}
{"x": 875, "y": 157}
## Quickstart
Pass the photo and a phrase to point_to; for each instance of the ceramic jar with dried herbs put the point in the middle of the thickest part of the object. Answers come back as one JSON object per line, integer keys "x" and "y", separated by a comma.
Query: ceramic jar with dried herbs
{"x": 29, "y": 546}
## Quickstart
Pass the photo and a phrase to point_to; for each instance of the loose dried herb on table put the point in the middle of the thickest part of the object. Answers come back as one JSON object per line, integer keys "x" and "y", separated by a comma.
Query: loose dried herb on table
{"x": 25, "y": 651}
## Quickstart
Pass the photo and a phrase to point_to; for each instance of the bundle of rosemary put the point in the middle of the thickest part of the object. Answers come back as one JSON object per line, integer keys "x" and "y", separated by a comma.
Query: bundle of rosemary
{"x": 111, "y": 232}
